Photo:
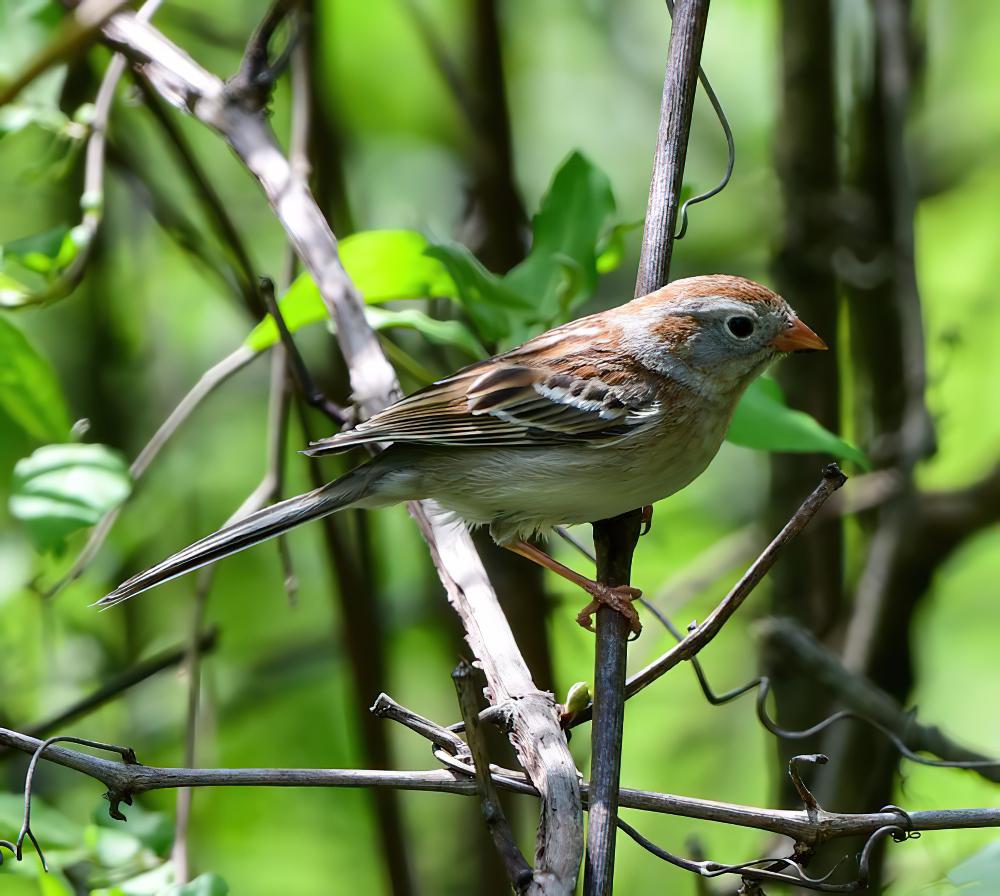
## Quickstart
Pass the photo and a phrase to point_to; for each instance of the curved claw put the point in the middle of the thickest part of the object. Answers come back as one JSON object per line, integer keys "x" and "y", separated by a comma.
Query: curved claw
{"x": 618, "y": 597}
{"x": 647, "y": 520}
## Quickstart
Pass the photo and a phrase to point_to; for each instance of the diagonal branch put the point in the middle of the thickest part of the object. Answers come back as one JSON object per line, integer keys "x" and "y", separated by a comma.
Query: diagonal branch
{"x": 536, "y": 734}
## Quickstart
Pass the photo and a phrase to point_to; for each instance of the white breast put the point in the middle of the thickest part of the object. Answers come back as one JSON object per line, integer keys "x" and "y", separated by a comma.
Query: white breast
{"x": 518, "y": 491}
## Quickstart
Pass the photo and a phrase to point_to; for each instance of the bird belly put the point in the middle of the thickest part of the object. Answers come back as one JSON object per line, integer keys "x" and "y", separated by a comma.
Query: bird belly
{"x": 520, "y": 491}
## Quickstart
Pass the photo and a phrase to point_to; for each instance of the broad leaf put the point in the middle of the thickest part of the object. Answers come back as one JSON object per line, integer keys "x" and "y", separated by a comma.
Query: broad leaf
{"x": 205, "y": 885}
{"x": 31, "y": 268}
{"x": 383, "y": 264}
{"x": 561, "y": 269}
{"x": 763, "y": 421}
{"x": 979, "y": 875}
{"x": 442, "y": 332}
{"x": 493, "y": 306}
{"x": 29, "y": 390}
{"x": 62, "y": 488}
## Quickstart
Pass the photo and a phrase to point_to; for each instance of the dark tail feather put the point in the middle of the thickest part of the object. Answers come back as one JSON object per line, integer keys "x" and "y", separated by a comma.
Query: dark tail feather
{"x": 257, "y": 527}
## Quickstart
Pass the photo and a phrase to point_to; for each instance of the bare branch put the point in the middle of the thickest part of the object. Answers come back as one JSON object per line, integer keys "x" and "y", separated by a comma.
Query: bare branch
{"x": 614, "y": 540}
{"x": 518, "y": 870}
{"x": 536, "y": 733}
{"x": 124, "y": 778}
{"x": 701, "y": 635}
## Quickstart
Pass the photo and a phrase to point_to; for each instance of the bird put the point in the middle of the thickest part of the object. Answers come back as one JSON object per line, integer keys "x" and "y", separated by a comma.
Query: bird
{"x": 600, "y": 416}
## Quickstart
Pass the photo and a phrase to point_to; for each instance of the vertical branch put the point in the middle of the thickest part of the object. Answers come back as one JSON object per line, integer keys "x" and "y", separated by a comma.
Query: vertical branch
{"x": 499, "y": 202}
{"x": 808, "y": 584}
{"x": 683, "y": 58}
{"x": 615, "y": 539}
{"x": 517, "y": 869}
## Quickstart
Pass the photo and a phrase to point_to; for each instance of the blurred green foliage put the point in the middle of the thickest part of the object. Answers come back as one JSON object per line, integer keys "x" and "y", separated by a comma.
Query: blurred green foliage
{"x": 153, "y": 315}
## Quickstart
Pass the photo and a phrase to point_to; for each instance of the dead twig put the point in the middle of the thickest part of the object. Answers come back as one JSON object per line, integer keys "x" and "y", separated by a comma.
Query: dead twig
{"x": 517, "y": 867}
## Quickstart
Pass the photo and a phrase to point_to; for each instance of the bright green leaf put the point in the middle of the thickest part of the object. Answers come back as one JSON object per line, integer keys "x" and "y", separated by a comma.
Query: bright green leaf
{"x": 205, "y": 885}
{"x": 763, "y": 421}
{"x": 37, "y": 252}
{"x": 561, "y": 269}
{"x": 979, "y": 875}
{"x": 59, "y": 831}
{"x": 383, "y": 264}
{"x": 491, "y": 303}
{"x": 392, "y": 264}
{"x": 442, "y": 332}
{"x": 62, "y": 488}
{"x": 30, "y": 267}
{"x": 29, "y": 390}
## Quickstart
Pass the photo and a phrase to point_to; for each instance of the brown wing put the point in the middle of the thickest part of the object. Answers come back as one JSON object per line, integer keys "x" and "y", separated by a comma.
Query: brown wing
{"x": 505, "y": 404}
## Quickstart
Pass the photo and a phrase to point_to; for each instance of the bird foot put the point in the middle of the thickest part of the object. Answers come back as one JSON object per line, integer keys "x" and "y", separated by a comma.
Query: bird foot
{"x": 618, "y": 597}
{"x": 647, "y": 520}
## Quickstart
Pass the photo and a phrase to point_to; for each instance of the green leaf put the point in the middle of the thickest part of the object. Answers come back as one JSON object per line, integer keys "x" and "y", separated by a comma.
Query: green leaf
{"x": 31, "y": 267}
{"x": 491, "y": 303}
{"x": 763, "y": 421}
{"x": 62, "y": 488}
{"x": 154, "y": 830}
{"x": 442, "y": 332}
{"x": 979, "y": 875}
{"x": 392, "y": 264}
{"x": 29, "y": 390}
{"x": 205, "y": 885}
{"x": 59, "y": 831}
{"x": 383, "y": 264}
{"x": 561, "y": 269}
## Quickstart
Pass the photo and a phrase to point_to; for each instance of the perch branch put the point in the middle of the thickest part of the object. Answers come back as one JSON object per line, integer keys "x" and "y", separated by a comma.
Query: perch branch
{"x": 129, "y": 778}
{"x": 614, "y": 540}
{"x": 536, "y": 734}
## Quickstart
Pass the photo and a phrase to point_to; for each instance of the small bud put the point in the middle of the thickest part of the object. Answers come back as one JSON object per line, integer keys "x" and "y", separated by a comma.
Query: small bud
{"x": 578, "y": 697}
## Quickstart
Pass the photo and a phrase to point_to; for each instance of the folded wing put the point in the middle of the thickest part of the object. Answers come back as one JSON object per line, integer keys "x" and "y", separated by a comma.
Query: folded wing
{"x": 506, "y": 404}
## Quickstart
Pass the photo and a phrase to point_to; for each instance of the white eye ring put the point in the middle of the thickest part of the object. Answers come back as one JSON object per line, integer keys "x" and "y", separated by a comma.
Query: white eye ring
{"x": 741, "y": 326}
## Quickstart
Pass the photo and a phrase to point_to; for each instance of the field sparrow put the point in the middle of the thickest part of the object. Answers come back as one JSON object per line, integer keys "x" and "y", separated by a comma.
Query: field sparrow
{"x": 589, "y": 420}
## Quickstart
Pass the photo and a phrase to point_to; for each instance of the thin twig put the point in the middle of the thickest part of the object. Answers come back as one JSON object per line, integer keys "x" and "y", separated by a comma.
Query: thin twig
{"x": 92, "y": 199}
{"x": 517, "y": 867}
{"x": 131, "y": 779}
{"x": 118, "y": 685}
{"x": 703, "y": 634}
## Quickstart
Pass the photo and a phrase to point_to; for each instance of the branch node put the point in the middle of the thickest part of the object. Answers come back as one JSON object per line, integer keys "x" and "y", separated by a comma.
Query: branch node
{"x": 907, "y": 832}
{"x": 808, "y": 800}
{"x": 116, "y": 798}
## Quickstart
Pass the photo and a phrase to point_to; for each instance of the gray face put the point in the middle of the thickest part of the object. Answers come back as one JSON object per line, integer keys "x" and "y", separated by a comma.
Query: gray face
{"x": 734, "y": 341}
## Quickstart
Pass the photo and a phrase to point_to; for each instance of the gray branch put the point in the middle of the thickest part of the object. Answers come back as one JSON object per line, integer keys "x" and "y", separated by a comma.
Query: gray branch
{"x": 535, "y": 730}
{"x": 128, "y": 779}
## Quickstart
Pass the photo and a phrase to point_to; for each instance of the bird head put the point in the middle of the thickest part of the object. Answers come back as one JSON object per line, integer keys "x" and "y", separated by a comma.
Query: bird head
{"x": 717, "y": 332}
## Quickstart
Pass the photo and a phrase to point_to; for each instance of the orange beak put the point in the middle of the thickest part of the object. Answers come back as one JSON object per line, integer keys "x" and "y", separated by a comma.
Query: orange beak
{"x": 798, "y": 338}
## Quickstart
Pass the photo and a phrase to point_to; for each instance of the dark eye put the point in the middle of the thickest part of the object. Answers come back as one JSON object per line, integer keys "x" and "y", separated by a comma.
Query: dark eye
{"x": 741, "y": 327}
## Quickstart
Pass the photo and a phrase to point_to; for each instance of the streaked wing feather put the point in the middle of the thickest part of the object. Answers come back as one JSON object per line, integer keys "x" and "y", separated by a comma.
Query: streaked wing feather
{"x": 504, "y": 405}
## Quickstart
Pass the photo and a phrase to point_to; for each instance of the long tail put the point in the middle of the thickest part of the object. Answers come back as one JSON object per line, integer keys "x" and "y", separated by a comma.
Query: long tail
{"x": 244, "y": 533}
